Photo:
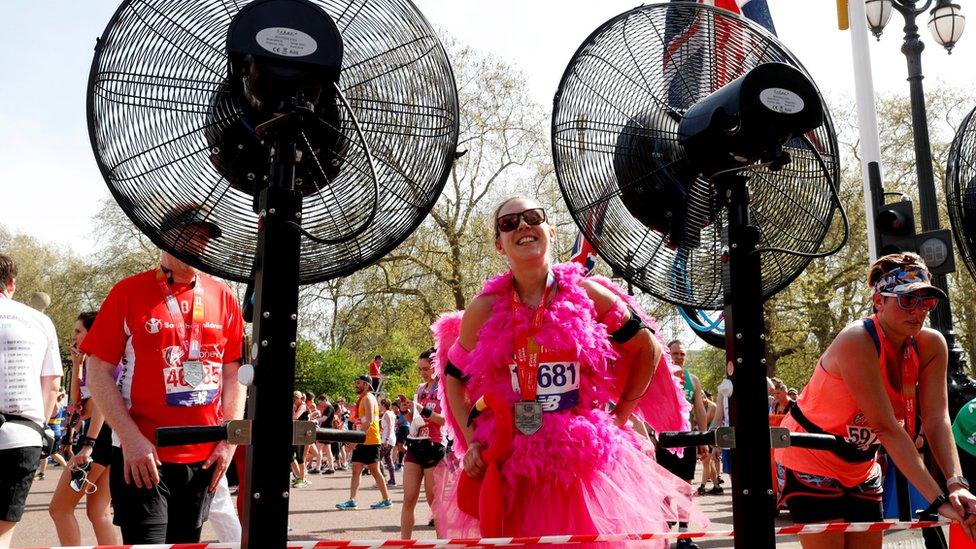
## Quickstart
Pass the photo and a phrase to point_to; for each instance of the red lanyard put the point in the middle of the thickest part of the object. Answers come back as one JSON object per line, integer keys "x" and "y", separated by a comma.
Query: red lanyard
{"x": 191, "y": 348}
{"x": 909, "y": 373}
{"x": 526, "y": 348}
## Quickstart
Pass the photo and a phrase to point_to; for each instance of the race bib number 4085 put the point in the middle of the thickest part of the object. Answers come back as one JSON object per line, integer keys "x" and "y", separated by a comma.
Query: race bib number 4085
{"x": 203, "y": 389}
{"x": 558, "y": 387}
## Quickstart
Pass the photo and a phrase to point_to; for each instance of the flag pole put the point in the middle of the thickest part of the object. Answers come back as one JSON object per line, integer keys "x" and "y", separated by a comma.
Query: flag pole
{"x": 867, "y": 118}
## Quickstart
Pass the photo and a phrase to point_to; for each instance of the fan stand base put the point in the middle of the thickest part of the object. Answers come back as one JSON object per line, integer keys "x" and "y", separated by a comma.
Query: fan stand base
{"x": 746, "y": 355}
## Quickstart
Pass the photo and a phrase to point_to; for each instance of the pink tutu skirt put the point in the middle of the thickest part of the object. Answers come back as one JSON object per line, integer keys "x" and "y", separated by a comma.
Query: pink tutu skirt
{"x": 579, "y": 475}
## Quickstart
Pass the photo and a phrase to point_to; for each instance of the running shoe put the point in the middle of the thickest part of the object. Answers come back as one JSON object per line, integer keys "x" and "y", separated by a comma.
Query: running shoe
{"x": 39, "y": 476}
{"x": 347, "y": 505}
{"x": 299, "y": 483}
{"x": 313, "y": 470}
{"x": 430, "y": 523}
{"x": 390, "y": 483}
{"x": 701, "y": 490}
{"x": 686, "y": 543}
{"x": 384, "y": 504}
{"x": 328, "y": 472}
{"x": 716, "y": 490}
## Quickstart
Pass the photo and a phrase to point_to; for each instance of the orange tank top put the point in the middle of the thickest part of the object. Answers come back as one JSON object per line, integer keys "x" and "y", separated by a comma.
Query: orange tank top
{"x": 826, "y": 402}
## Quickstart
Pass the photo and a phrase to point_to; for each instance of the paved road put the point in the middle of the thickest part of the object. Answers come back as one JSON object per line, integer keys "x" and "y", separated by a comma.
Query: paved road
{"x": 314, "y": 517}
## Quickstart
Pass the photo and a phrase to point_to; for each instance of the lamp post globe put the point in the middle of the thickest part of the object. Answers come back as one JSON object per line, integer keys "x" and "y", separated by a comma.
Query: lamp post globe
{"x": 946, "y": 23}
{"x": 878, "y": 13}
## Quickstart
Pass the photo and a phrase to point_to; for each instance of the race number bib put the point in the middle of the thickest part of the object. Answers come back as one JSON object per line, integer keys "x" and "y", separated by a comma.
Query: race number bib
{"x": 559, "y": 382}
{"x": 861, "y": 436}
{"x": 192, "y": 384}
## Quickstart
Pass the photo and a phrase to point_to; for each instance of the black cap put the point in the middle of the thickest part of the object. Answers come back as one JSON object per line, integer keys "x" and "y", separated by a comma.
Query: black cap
{"x": 364, "y": 378}
{"x": 185, "y": 217}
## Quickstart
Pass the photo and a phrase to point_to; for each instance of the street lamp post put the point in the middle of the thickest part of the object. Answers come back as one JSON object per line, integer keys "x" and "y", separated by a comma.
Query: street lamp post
{"x": 946, "y": 24}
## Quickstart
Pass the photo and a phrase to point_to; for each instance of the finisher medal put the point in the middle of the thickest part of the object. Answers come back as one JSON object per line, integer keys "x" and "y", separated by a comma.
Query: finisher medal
{"x": 528, "y": 416}
{"x": 193, "y": 372}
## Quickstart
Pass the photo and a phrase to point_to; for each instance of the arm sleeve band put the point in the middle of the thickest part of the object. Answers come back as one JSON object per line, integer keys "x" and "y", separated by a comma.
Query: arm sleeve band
{"x": 457, "y": 360}
{"x": 629, "y": 328}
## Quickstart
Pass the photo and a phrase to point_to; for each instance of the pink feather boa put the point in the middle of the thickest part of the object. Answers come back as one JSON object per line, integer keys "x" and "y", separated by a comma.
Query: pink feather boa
{"x": 571, "y": 441}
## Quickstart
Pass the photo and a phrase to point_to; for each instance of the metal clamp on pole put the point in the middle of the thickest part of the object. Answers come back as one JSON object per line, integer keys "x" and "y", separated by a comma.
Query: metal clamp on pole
{"x": 303, "y": 433}
{"x": 340, "y": 435}
{"x": 237, "y": 431}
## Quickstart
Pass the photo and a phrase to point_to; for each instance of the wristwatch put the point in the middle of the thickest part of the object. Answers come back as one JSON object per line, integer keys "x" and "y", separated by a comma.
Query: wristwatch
{"x": 958, "y": 479}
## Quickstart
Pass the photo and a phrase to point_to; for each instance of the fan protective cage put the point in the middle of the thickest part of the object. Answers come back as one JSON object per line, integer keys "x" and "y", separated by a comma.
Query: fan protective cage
{"x": 961, "y": 190}
{"x": 158, "y": 85}
{"x": 619, "y": 103}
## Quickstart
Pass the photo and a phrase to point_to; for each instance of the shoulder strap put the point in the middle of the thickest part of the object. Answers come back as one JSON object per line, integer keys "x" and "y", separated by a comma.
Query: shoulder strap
{"x": 873, "y": 332}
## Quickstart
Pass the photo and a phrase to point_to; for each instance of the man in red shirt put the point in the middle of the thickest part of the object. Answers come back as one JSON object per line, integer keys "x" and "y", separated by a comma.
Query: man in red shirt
{"x": 374, "y": 372}
{"x": 177, "y": 333}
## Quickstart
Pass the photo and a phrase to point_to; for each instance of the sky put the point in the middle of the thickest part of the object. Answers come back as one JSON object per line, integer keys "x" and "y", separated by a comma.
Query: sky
{"x": 51, "y": 184}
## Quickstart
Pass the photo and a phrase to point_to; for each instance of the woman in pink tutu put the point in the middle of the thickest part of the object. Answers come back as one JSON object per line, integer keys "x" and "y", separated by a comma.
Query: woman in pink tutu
{"x": 551, "y": 352}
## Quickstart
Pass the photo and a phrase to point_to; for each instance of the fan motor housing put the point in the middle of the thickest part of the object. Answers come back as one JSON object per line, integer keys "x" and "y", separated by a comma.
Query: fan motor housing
{"x": 278, "y": 51}
{"x": 750, "y": 118}
{"x": 276, "y": 48}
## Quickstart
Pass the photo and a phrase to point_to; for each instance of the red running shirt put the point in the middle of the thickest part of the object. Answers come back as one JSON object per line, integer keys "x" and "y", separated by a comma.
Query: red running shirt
{"x": 134, "y": 328}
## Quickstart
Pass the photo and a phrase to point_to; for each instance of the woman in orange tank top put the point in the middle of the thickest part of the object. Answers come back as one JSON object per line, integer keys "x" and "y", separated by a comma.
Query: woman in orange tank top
{"x": 864, "y": 391}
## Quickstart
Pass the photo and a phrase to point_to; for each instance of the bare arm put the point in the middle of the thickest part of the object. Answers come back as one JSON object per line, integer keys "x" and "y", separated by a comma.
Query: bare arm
{"x": 644, "y": 347}
{"x": 138, "y": 452}
{"x": 367, "y": 419}
{"x": 935, "y": 417}
{"x": 701, "y": 416}
{"x": 458, "y": 405}
{"x": 232, "y": 405}
{"x": 49, "y": 393}
{"x": 719, "y": 413}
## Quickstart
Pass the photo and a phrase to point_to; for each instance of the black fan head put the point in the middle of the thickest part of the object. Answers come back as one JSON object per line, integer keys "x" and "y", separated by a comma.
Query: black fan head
{"x": 961, "y": 190}
{"x": 181, "y": 92}
{"x": 629, "y": 181}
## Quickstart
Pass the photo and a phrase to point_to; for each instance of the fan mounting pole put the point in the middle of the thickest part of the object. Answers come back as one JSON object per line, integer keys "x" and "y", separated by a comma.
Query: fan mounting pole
{"x": 745, "y": 351}
{"x": 269, "y": 403}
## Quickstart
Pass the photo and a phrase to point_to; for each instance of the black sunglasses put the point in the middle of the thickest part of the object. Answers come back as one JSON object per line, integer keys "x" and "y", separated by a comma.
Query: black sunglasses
{"x": 509, "y": 222}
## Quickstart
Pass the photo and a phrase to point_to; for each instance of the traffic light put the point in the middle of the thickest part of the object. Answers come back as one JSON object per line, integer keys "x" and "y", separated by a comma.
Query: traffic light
{"x": 895, "y": 227}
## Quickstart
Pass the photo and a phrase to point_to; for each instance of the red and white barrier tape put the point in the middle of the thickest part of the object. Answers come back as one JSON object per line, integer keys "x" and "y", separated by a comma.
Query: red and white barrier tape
{"x": 549, "y": 540}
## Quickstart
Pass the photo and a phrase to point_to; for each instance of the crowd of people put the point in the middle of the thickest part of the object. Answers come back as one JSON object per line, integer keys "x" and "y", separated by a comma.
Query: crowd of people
{"x": 535, "y": 414}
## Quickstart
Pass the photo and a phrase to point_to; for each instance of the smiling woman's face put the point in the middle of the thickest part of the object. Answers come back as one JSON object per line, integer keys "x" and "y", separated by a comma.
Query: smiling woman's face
{"x": 525, "y": 242}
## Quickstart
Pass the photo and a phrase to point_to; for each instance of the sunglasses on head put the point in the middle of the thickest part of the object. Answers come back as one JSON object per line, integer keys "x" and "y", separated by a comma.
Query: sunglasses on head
{"x": 911, "y": 301}
{"x": 510, "y": 222}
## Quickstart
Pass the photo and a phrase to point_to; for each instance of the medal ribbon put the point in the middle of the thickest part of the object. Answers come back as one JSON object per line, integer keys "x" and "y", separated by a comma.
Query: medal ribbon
{"x": 526, "y": 348}
{"x": 191, "y": 348}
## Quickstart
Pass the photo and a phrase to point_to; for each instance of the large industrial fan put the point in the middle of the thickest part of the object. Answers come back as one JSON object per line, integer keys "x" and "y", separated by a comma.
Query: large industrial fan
{"x": 175, "y": 122}
{"x": 705, "y": 153}
{"x": 619, "y": 156}
{"x": 960, "y": 192}
{"x": 304, "y": 139}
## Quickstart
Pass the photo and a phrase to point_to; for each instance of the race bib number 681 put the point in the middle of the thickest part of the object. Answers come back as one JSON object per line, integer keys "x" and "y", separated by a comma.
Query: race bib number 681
{"x": 558, "y": 387}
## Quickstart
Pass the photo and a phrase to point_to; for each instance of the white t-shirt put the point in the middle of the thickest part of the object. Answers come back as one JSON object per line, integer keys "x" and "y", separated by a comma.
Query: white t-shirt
{"x": 28, "y": 351}
{"x": 388, "y": 428}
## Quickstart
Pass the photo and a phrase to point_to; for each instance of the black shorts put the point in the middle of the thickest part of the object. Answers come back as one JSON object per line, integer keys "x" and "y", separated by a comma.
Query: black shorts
{"x": 424, "y": 453}
{"x": 17, "y": 467}
{"x": 182, "y": 496}
{"x": 403, "y": 432}
{"x": 365, "y": 454}
{"x": 683, "y": 467}
{"x": 102, "y": 452}
{"x": 298, "y": 454}
{"x": 815, "y": 498}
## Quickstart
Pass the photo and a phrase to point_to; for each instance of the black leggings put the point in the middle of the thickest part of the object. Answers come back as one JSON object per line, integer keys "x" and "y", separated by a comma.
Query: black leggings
{"x": 160, "y": 533}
